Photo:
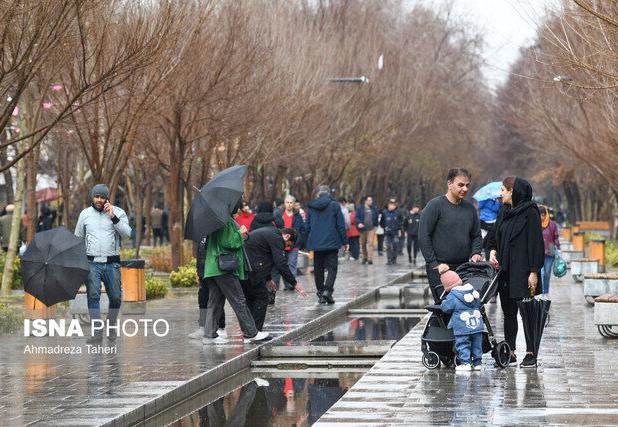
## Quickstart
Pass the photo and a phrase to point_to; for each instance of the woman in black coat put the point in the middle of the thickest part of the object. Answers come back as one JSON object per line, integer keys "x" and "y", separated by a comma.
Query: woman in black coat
{"x": 516, "y": 246}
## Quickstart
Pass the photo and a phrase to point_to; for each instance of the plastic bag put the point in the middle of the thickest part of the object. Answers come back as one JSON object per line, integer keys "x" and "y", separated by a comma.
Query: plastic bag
{"x": 560, "y": 266}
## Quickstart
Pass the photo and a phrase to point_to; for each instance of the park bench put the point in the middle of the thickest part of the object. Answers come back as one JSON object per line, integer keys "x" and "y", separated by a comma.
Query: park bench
{"x": 599, "y": 284}
{"x": 582, "y": 266}
{"x": 567, "y": 256}
{"x": 596, "y": 227}
{"x": 606, "y": 314}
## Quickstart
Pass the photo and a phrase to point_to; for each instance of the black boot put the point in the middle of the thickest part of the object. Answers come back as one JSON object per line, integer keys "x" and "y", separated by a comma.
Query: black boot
{"x": 328, "y": 297}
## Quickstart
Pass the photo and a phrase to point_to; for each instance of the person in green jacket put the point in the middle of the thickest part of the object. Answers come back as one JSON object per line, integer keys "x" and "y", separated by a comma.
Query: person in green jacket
{"x": 224, "y": 285}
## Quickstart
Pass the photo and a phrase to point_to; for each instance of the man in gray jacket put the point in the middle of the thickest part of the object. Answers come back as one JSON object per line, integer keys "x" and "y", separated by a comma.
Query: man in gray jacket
{"x": 102, "y": 226}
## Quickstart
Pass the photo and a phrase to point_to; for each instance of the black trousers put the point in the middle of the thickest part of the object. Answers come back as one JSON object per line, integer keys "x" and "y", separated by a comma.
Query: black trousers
{"x": 354, "y": 247}
{"x": 157, "y": 234}
{"x": 325, "y": 262}
{"x": 510, "y": 309}
{"x": 412, "y": 244}
{"x": 202, "y": 298}
{"x": 256, "y": 295}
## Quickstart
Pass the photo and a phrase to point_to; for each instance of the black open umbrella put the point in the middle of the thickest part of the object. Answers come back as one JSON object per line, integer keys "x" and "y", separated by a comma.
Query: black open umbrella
{"x": 214, "y": 205}
{"x": 534, "y": 312}
{"x": 54, "y": 266}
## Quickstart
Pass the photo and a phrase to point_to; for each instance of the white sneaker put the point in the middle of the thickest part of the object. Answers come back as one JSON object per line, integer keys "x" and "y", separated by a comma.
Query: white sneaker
{"x": 261, "y": 336}
{"x": 463, "y": 368}
{"x": 476, "y": 367}
{"x": 197, "y": 335}
{"x": 222, "y": 333}
{"x": 261, "y": 382}
{"x": 218, "y": 340}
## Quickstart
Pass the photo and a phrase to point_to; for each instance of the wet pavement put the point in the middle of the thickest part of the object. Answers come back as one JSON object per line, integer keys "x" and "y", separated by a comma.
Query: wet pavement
{"x": 575, "y": 383}
{"x": 293, "y": 399}
{"x": 92, "y": 389}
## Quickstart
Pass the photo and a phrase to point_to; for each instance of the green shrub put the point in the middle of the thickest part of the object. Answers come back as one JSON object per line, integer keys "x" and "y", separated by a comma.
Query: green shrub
{"x": 185, "y": 276}
{"x": 11, "y": 318}
{"x": 17, "y": 283}
{"x": 126, "y": 253}
{"x": 155, "y": 288}
{"x": 611, "y": 254}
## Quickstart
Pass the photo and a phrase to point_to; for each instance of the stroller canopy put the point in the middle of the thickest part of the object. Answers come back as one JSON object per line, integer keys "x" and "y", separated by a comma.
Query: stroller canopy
{"x": 480, "y": 275}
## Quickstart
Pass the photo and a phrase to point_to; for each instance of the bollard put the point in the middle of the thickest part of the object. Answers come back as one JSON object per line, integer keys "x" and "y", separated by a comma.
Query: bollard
{"x": 578, "y": 241}
{"x": 35, "y": 309}
{"x": 133, "y": 280}
{"x": 596, "y": 250}
{"x": 567, "y": 233}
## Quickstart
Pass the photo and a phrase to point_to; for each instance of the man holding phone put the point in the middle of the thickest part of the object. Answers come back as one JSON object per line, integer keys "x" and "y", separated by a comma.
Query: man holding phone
{"x": 102, "y": 226}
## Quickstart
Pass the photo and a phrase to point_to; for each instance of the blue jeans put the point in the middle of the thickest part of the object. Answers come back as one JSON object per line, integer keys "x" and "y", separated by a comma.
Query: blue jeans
{"x": 470, "y": 345}
{"x": 109, "y": 274}
{"x": 546, "y": 273}
{"x": 392, "y": 246}
{"x": 292, "y": 257}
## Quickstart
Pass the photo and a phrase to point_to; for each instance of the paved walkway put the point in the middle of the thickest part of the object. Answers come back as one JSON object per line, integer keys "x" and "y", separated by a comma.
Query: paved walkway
{"x": 576, "y": 382}
{"x": 92, "y": 389}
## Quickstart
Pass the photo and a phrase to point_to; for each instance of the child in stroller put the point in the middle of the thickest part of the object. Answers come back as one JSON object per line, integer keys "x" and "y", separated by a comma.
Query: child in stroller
{"x": 437, "y": 341}
{"x": 463, "y": 302}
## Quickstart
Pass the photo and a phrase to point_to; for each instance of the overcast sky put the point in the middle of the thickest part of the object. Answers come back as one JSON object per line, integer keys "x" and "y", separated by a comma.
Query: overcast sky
{"x": 506, "y": 24}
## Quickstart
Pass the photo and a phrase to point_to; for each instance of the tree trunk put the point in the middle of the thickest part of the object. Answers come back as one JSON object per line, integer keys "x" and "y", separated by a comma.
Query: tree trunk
{"x": 7, "y": 276}
{"x": 146, "y": 208}
{"x": 176, "y": 202}
{"x": 64, "y": 180}
{"x": 8, "y": 178}
{"x": 32, "y": 161}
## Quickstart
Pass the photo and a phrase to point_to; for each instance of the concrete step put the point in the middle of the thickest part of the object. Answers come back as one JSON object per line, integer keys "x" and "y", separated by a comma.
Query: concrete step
{"x": 414, "y": 312}
{"x": 294, "y": 364}
{"x": 330, "y": 349}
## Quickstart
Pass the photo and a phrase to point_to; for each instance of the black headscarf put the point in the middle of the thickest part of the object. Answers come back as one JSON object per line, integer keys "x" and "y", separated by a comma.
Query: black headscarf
{"x": 514, "y": 218}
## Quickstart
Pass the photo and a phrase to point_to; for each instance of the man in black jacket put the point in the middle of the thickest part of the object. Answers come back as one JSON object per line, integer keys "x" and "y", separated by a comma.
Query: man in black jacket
{"x": 413, "y": 218}
{"x": 265, "y": 250}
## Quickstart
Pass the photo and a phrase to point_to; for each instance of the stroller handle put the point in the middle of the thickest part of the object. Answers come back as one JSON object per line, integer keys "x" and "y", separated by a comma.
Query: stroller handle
{"x": 488, "y": 291}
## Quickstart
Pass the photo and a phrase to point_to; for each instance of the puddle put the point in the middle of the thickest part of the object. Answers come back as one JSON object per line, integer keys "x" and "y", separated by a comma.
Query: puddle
{"x": 275, "y": 400}
{"x": 370, "y": 329}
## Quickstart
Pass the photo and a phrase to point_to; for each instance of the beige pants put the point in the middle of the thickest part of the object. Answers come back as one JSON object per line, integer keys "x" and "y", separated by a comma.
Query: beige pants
{"x": 367, "y": 242}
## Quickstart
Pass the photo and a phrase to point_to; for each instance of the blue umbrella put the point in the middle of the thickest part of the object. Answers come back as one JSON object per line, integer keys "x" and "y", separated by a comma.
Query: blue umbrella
{"x": 489, "y": 191}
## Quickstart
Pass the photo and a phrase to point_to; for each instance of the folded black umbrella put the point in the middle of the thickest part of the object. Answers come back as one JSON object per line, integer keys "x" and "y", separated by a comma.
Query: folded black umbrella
{"x": 214, "y": 205}
{"x": 534, "y": 313}
{"x": 54, "y": 266}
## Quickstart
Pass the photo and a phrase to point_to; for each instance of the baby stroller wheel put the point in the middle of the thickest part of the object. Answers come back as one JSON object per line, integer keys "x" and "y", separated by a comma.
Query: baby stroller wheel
{"x": 502, "y": 354}
{"x": 431, "y": 360}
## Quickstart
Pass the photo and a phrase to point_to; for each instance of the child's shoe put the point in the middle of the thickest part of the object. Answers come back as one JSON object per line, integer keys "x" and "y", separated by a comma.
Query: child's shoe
{"x": 476, "y": 367}
{"x": 463, "y": 368}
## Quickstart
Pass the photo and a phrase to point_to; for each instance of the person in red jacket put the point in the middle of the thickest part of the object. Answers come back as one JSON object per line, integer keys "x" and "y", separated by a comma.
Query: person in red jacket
{"x": 245, "y": 217}
{"x": 353, "y": 234}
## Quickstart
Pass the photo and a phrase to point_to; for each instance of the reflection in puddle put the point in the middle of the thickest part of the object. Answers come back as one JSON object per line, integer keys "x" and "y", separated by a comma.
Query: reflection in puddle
{"x": 288, "y": 401}
{"x": 370, "y": 328}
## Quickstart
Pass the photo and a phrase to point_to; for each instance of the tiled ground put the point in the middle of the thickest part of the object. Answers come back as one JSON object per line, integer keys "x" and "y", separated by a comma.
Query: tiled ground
{"x": 576, "y": 382}
{"x": 91, "y": 389}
